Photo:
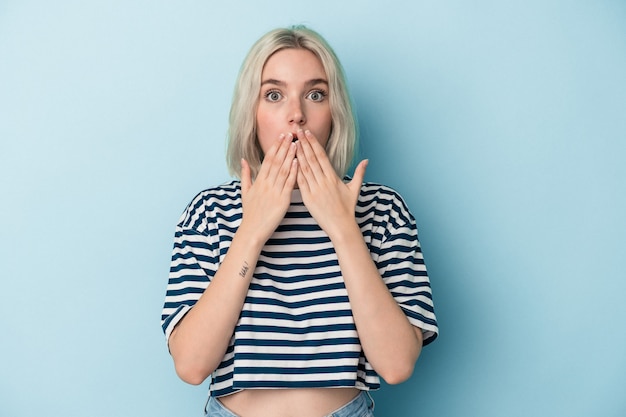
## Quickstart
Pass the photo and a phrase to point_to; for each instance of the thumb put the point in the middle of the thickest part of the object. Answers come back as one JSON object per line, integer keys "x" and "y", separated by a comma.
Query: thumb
{"x": 246, "y": 181}
{"x": 359, "y": 173}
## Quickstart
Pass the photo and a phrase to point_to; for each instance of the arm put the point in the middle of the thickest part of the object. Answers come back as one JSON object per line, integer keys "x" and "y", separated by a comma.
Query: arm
{"x": 199, "y": 341}
{"x": 391, "y": 344}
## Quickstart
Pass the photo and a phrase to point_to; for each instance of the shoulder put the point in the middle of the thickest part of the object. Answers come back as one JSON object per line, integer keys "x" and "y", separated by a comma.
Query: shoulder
{"x": 384, "y": 203}
{"x": 223, "y": 192}
{"x": 222, "y": 198}
{"x": 382, "y": 195}
{"x": 373, "y": 191}
{"x": 376, "y": 190}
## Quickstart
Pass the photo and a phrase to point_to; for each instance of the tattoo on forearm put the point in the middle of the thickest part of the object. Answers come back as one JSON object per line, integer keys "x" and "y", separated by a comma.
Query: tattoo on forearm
{"x": 244, "y": 269}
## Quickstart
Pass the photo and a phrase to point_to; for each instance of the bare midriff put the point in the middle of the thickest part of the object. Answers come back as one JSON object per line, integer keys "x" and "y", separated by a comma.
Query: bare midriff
{"x": 300, "y": 402}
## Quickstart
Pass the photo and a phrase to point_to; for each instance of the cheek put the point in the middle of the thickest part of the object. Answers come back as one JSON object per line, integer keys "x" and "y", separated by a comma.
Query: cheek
{"x": 327, "y": 126}
{"x": 265, "y": 120}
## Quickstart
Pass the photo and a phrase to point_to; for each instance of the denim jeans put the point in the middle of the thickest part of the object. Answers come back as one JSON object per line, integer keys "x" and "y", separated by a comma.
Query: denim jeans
{"x": 361, "y": 406}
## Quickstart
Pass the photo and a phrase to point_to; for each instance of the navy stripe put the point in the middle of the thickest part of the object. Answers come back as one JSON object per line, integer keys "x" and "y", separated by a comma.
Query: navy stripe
{"x": 297, "y": 356}
{"x": 299, "y": 241}
{"x": 188, "y": 278}
{"x": 295, "y": 279}
{"x": 296, "y": 291}
{"x": 296, "y": 330}
{"x": 302, "y": 265}
{"x": 298, "y": 343}
{"x": 296, "y": 317}
{"x": 296, "y": 304}
{"x": 293, "y": 384}
{"x": 299, "y": 254}
{"x": 284, "y": 370}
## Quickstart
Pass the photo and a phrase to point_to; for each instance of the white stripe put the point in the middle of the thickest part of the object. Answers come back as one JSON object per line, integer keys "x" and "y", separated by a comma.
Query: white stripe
{"x": 304, "y": 350}
{"x": 294, "y": 377}
{"x": 294, "y": 364}
{"x": 298, "y": 260}
{"x": 296, "y": 298}
{"x": 283, "y": 336}
{"x": 298, "y": 311}
{"x": 189, "y": 285}
{"x": 300, "y": 284}
{"x": 183, "y": 297}
{"x": 294, "y": 324}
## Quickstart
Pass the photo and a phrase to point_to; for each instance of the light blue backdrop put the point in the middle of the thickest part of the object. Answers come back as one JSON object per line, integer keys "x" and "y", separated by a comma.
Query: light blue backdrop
{"x": 501, "y": 123}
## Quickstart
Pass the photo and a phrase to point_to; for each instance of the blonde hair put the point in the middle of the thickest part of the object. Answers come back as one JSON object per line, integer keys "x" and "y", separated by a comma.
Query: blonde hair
{"x": 242, "y": 140}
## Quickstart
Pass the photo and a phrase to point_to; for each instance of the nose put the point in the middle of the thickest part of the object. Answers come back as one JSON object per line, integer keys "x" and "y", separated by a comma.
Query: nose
{"x": 296, "y": 113}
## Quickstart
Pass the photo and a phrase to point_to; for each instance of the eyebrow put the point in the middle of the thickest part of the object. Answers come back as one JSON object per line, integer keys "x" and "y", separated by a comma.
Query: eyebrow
{"x": 309, "y": 83}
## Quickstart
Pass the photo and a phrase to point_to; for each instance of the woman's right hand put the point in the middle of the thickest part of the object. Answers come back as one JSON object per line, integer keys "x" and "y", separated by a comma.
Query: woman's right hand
{"x": 266, "y": 200}
{"x": 199, "y": 341}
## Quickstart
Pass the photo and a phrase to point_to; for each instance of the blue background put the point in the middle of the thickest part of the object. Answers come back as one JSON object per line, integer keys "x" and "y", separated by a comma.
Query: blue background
{"x": 501, "y": 123}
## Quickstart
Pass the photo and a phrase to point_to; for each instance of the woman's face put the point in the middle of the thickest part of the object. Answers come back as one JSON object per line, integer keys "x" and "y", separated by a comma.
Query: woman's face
{"x": 294, "y": 95}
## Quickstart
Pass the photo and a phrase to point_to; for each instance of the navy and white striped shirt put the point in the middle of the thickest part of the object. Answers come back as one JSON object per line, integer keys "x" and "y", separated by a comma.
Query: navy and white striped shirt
{"x": 296, "y": 328}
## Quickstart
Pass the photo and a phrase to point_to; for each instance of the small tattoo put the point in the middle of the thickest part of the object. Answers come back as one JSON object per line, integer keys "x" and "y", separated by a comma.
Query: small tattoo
{"x": 244, "y": 269}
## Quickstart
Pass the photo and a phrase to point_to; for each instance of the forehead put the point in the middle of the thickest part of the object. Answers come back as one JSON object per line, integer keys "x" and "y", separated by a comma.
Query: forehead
{"x": 293, "y": 64}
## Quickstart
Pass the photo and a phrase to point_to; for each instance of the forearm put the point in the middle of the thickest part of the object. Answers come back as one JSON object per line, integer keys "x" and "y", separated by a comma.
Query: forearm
{"x": 391, "y": 344}
{"x": 199, "y": 341}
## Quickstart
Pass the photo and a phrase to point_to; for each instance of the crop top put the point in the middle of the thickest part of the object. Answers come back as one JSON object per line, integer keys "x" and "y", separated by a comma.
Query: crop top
{"x": 296, "y": 328}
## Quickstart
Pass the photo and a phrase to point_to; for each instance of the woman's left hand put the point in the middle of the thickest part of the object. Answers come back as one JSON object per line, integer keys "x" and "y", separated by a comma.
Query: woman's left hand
{"x": 390, "y": 343}
{"x": 330, "y": 201}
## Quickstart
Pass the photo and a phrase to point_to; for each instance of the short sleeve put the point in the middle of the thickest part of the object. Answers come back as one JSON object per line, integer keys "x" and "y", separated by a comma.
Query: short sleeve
{"x": 193, "y": 265}
{"x": 401, "y": 265}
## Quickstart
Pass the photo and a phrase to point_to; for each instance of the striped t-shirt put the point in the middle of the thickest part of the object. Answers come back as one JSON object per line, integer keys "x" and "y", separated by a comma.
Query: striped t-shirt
{"x": 296, "y": 328}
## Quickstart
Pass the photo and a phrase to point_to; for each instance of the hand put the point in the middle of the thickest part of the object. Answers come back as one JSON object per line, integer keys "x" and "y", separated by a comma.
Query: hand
{"x": 330, "y": 201}
{"x": 266, "y": 201}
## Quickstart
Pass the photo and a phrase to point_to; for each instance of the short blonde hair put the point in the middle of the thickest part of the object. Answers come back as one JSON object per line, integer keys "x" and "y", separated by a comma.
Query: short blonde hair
{"x": 242, "y": 139}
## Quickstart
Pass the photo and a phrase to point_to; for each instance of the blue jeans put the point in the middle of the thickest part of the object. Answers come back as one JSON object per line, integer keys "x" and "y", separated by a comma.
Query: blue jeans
{"x": 361, "y": 406}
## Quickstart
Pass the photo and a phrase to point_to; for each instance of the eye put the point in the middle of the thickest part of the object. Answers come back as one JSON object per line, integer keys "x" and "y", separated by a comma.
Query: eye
{"x": 273, "y": 96}
{"x": 317, "y": 95}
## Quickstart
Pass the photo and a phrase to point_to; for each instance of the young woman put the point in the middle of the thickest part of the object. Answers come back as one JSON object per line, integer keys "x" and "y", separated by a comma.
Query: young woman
{"x": 295, "y": 287}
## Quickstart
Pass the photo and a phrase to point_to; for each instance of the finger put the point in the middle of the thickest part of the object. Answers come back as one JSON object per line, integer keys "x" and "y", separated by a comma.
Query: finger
{"x": 280, "y": 162}
{"x": 246, "y": 181}
{"x": 301, "y": 180}
{"x": 293, "y": 175}
{"x": 359, "y": 171}
{"x": 359, "y": 175}
{"x": 287, "y": 166}
{"x": 319, "y": 153}
{"x": 309, "y": 163}
{"x": 283, "y": 148}
{"x": 269, "y": 157}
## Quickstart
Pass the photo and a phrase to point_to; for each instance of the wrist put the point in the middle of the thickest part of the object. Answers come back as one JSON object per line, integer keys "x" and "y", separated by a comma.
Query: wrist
{"x": 349, "y": 234}
{"x": 250, "y": 237}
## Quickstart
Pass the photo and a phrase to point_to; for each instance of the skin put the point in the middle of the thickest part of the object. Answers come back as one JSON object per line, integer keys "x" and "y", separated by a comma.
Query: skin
{"x": 292, "y": 103}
